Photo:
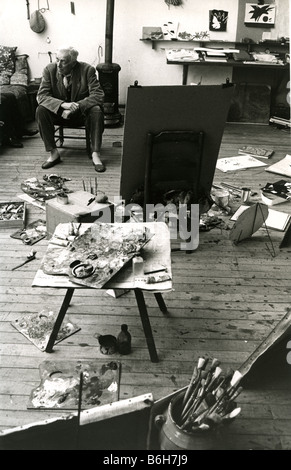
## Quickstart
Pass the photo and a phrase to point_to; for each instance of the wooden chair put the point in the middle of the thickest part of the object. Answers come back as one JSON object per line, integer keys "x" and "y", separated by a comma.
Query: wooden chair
{"x": 63, "y": 132}
{"x": 173, "y": 162}
{"x": 172, "y": 171}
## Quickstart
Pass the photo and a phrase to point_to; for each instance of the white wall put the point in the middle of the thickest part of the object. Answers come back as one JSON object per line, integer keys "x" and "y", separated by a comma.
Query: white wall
{"x": 138, "y": 61}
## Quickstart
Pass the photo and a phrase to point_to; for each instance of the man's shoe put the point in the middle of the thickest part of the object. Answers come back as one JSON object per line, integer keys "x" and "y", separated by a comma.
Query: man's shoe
{"x": 29, "y": 133}
{"x": 49, "y": 164}
{"x": 99, "y": 167}
{"x": 14, "y": 142}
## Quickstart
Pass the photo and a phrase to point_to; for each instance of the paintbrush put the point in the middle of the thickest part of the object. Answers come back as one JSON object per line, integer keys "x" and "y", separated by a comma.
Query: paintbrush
{"x": 195, "y": 376}
{"x": 188, "y": 391}
{"x": 195, "y": 383}
{"x": 237, "y": 376}
{"x": 211, "y": 377}
{"x": 190, "y": 404}
{"x": 233, "y": 414}
{"x": 207, "y": 384}
{"x": 30, "y": 257}
{"x": 231, "y": 187}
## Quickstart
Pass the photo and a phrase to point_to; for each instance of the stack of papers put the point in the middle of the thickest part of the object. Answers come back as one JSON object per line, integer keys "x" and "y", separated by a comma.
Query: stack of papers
{"x": 267, "y": 58}
{"x": 182, "y": 54}
{"x": 283, "y": 167}
{"x": 255, "y": 151}
{"x": 238, "y": 163}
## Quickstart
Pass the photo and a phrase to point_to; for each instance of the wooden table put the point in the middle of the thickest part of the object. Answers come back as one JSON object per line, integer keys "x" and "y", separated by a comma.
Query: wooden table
{"x": 228, "y": 63}
{"x": 156, "y": 251}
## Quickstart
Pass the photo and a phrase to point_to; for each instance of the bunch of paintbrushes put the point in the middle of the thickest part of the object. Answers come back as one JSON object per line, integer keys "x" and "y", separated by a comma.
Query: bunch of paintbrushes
{"x": 209, "y": 399}
{"x": 90, "y": 186}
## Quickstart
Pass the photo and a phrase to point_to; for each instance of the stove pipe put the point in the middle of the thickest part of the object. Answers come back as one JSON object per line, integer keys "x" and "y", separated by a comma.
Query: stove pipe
{"x": 108, "y": 73}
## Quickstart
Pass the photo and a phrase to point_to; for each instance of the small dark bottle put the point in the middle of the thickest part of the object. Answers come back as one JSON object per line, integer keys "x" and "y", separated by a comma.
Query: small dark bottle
{"x": 124, "y": 340}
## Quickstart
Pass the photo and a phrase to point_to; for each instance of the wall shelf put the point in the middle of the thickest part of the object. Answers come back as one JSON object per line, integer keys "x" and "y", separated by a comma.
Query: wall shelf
{"x": 249, "y": 46}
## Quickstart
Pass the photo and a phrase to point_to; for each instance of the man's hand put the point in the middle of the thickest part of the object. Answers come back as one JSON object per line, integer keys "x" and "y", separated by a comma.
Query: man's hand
{"x": 66, "y": 114}
{"x": 72, "y": 107}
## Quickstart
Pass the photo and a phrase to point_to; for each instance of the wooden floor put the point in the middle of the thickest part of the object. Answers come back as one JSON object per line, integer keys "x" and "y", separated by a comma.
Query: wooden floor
{"x": 226, "y": 299}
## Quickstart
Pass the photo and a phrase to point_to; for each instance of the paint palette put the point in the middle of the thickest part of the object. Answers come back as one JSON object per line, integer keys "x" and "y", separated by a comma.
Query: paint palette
{"x": 105, "y": 247}
{"x": 60, "y": 384}
{"x": 37, "y": 327}
{"x": 32, "y": 233}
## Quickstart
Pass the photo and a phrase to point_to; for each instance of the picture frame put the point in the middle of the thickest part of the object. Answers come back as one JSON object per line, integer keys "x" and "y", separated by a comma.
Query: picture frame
{"x": 260, "y": 15}
{"x": 218, "y": 20}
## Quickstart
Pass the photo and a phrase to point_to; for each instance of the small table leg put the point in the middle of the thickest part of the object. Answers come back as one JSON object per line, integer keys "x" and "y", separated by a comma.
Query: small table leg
{"x": 59, "y": 320}
{"x": 146, "y": 325}
{"x": 185, "y": 74}
{"x": 161, "y": 302}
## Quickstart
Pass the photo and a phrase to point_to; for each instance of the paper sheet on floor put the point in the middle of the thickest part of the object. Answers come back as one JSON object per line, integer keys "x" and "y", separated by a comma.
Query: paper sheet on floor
{"x": 239, "y": 162}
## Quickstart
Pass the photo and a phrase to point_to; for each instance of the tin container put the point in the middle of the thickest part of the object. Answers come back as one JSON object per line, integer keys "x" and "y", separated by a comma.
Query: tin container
{"x": 221, "y": 198}
{"x": 62, "y": 199}
{"x": 245, "y": 194}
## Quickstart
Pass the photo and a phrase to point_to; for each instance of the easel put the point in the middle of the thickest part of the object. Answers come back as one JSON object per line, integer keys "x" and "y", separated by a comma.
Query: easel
{"x": 157, "y": 109}
{"x": 249, "y": 222}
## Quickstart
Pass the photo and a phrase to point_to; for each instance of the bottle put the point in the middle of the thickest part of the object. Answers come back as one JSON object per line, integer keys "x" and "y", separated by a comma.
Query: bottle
{"x": 124, "y": 340}
{"x": 137, "y": 266}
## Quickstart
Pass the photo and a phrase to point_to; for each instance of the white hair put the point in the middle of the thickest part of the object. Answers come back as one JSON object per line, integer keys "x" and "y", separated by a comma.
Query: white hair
{"x": 69, "y": 50}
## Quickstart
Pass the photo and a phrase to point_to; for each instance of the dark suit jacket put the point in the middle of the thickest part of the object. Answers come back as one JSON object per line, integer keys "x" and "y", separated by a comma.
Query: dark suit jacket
{"x": 86, "y": 89}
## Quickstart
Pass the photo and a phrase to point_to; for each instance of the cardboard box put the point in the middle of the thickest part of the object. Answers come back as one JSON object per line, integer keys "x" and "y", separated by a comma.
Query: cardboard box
{"x": 12, "y": 214}
{"x": 77, "y": 210}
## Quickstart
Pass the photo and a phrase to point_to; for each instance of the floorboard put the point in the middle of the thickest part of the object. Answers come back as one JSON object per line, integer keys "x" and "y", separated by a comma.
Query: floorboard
{"x": 226, "y": 299}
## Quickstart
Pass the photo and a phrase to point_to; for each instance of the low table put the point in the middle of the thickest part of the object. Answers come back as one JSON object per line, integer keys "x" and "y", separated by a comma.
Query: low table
{"x": 157, "y": 252}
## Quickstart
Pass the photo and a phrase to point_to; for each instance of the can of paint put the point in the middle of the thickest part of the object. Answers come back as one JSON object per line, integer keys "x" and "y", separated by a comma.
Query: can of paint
{"x": 245, "y": 194}
{"x": 62, "y": 199}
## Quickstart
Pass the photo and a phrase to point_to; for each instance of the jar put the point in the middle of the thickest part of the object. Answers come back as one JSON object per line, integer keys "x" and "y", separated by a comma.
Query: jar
{"x": 173, "y": 437}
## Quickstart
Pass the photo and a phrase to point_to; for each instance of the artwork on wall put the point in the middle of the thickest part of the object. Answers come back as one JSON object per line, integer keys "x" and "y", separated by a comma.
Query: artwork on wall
{"x": 170, "y": 29}
{"x": 260, "y": 15}
{"x": 152, "y": 32}
{"x": 218, "y": 20}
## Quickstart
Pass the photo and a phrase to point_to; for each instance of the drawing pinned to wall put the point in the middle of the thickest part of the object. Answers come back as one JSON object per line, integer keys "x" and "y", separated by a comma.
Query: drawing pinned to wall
{"x": 170, "y": 29}
{"x": 218, "y": 20}
{"x": 261, "y": 15}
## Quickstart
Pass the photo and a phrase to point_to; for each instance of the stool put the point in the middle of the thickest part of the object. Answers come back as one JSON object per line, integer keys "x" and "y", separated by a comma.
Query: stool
{"x": 60, "y": 135}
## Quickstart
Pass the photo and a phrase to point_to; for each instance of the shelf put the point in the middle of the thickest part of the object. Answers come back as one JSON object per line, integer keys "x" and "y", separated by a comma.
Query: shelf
{"x": 201, "y": 42}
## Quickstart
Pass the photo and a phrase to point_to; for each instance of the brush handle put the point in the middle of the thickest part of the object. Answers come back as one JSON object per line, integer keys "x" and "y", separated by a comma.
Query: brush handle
{"x": 24, "y": 262}
{"x": 19, "y": 265}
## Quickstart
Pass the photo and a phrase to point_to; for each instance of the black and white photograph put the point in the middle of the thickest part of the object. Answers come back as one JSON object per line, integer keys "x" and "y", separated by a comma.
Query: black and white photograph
{"x": 145, "y": 227}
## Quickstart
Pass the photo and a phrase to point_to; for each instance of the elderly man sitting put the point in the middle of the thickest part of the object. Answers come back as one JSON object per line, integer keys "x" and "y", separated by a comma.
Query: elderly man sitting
{"x": 70, "y": 91}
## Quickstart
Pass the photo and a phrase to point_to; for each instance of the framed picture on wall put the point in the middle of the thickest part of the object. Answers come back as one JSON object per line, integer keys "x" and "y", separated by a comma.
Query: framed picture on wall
{"x": 218, "y": 20}
{"x": 260, "y": 15}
